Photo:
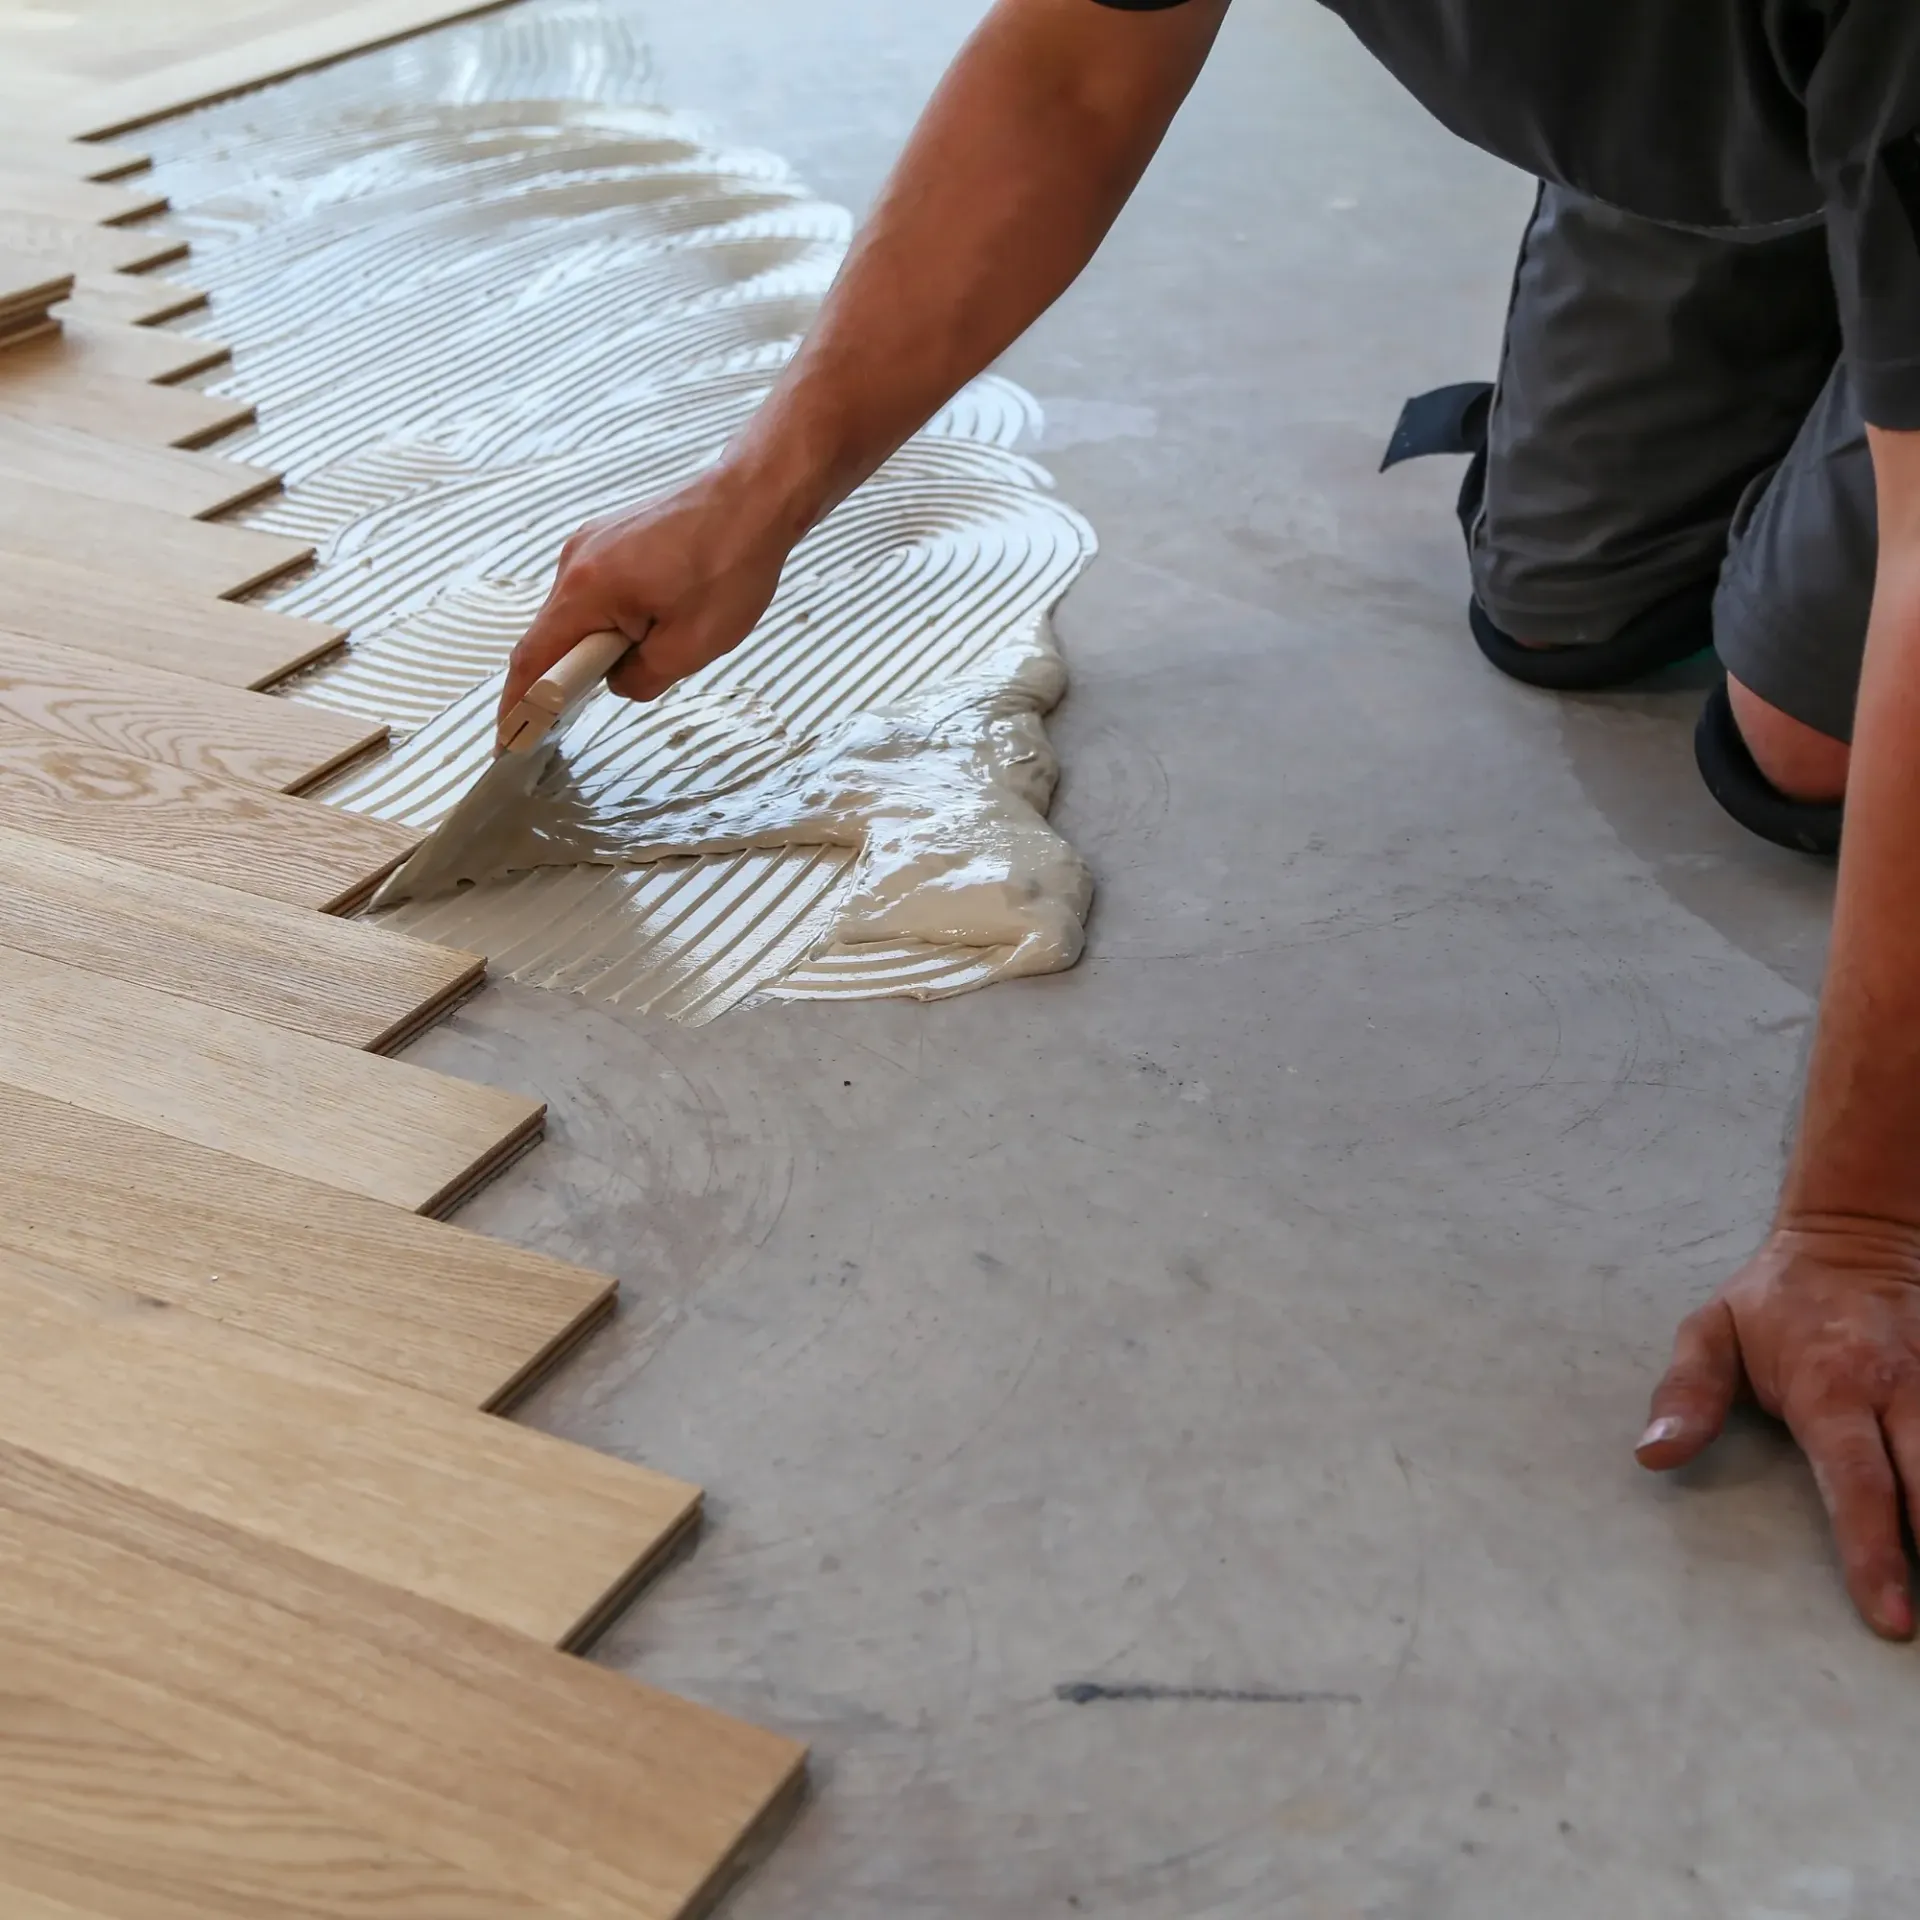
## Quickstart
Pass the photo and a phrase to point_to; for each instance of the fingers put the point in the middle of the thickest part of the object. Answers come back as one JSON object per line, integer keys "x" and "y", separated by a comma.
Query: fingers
{"x": 1691, "y": 1403}
{"x": 641, "y": 675}
{"x": 668, "y": 654}
{"x": 1901, "y": 1425}
{"x": 1844, "y": 1445}
{"x": 548, "y": 641}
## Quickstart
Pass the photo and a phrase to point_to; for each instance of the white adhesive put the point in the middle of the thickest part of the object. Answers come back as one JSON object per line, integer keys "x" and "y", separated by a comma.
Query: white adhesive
{"x": 942, "y": 796}
{"x": 480, "y": 290}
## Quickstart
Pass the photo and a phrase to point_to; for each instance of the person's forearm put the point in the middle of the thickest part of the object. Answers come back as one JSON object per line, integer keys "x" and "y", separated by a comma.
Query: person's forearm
{"x": 1858, "y": 1154}
{"x": 1012, "y": 178}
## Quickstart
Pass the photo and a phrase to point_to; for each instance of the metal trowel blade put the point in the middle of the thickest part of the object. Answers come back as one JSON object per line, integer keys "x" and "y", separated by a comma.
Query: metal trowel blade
{"x": 445, "y": 860}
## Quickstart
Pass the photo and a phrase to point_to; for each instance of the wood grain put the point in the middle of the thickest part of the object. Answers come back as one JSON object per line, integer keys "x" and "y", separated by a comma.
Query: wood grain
{"x": 347, "y": 981}
{"x": 265, "y": 1094}
{"x": 172, "y": 821}
{"x": 255, "y": 739}
{"x": 75, "y": 244}
{"x": 32, "y": 190}
{"x": 132, "y": 299}
{"x": 39, "y": 521}
{"x": 25, "y": 152}
{"x": 496, "y": 1521}
{"x": 132, "y": 1843}
{"x": 148, "y": 625}
{"x": 520, "y": 1768}
{"x": 165, "y": 479}
{"x": 362, "y": 1285}
{"x": 70, "y": 381}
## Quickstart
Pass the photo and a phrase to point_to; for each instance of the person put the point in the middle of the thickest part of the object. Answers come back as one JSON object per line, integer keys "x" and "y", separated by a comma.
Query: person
{"x": 1706, "y": 427}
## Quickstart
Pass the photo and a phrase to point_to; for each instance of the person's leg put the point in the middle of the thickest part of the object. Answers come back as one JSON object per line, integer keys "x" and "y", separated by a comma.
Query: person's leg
{"x": 1790, "y": 621}
{"x": 1648, "y": 375}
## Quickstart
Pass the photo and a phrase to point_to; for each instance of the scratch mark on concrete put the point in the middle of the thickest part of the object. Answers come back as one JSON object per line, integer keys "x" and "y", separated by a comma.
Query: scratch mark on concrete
{"x": 1086, "y": 1693}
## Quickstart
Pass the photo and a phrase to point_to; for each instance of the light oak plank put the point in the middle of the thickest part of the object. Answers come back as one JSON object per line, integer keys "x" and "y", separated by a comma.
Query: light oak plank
{"x": 28, "y": 287}
{"x": 521, "y": 1768}
{"x": 18, "y": 333}
{"x": 132, "y": 1842}
{"x": 91, "y": 349}
{"x": 497, "y": 1521}
{"x": 347, "y": 981}
{"x": 39, "y": 521}
{"x": 75, "y": 244}
{"x": 149, "y": 625}
{"x": 164, "y": 818}
{"x": 164, "y": 479}
{"x": 31, "y": 190}
{"x": 131, "y": 299}
{"x": 133, "y": 352}
{"x": 67, "y": 380}
{"x": 375, "y": 1126}
{"x": 127, "y": 1840}
{"x": 26, "y": 152}
{"x": 362, "y": 1285}
{"x": 242, "y": 56}
{"x": 252, "y": 738}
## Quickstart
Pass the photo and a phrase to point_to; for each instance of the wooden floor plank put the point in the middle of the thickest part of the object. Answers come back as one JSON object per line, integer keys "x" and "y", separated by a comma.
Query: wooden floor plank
{"x": 39, "y": 521}
{"x": 280, "y": 1099}
{"x": 521, "y": 1768}
{"x": 130, "y": 299}
{"x": 149, "y": 625}
{"x": 43, "y": 522}
{"x": 172, "y": 821}
{"x": 32, "y": 190}
{"x": 20, "y": 333}
{"x": 24, "y": 152}
{"x": 165, "y": 479}
{"x": 347, "y": 981}
{"x": 70, "y": 380}
{"x": 240, "y": 56}
{"x": 114, "y": 349}
{"x": 75, "y": 244}
{"x": 129, "y": 351}
{"x": 29, "y": 287}
{"x": 255, "y": 739}
{"x": 452, "y": 1505}
{"x": 360, "y": 1284}
{"x": 133, "y": 1845}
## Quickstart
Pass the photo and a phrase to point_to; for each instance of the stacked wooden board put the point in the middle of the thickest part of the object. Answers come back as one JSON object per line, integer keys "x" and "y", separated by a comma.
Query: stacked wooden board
{"x": 288, "y": 1613}
{"x": 29, "y": 291}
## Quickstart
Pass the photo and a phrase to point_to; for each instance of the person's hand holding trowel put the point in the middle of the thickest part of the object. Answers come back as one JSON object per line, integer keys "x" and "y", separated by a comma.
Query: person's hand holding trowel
{"x": 686, "y": 577}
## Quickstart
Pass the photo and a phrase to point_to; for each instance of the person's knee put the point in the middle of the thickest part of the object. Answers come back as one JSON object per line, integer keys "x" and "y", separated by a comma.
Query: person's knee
{"x": 1797, "y": 760}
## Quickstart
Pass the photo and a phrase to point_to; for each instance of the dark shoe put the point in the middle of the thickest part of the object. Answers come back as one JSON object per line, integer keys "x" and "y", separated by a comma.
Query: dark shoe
{"x": 1801, "y": 826}
{"x": 1454, "y": 420}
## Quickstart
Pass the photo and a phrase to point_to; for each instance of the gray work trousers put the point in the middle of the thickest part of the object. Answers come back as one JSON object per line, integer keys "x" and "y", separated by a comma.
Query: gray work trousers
{"x": 1672, "y": 407}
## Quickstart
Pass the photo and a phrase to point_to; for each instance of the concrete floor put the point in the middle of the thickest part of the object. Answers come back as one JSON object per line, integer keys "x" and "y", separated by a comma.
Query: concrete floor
{"x": 1268, "y": 1306}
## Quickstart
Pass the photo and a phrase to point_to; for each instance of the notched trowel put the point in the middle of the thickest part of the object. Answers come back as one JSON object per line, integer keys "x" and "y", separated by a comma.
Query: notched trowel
{"x": 524, "y": 749}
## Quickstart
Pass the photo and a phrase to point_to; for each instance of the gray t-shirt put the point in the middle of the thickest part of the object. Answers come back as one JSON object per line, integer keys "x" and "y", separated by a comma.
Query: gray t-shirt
{"x": 1700, "y": 113}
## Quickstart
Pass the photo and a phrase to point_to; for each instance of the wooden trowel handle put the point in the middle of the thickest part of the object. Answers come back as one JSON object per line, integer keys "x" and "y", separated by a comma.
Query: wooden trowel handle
{"x": 561, "y": 688}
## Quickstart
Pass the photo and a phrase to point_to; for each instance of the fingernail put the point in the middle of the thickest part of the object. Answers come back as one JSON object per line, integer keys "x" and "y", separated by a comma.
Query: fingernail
{"x": 1666, "y": 1428}
{"x": 1894, "y": 1613}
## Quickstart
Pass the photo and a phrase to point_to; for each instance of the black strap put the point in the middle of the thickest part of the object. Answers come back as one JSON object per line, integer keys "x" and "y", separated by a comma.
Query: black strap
{"x": 1447, "y": 420}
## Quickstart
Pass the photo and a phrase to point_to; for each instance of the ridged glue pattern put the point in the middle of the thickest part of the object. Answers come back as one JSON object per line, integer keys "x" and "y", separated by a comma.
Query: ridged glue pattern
{"x": 480, "y": 289}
